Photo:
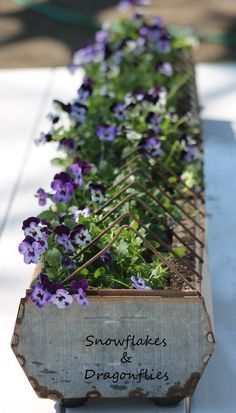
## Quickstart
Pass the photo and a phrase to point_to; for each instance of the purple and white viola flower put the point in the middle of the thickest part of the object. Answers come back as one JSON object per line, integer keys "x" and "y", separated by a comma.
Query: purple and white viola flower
{"x": 62, "y": 298}
{"x": 76, "y": 170}
{"x": 106, "y": 257}
{"x": 85, "y": 91}
{"x": 106, "y": 132}
{"x": 81, "y": 297}
{"x": 67, "y": 144}
{"x": 84, "y": 165}
{"x": 43, "y": 138}
{"x": 31, "y": 227}
{"x": 78, "y": 111}
{"x": 82, "y": 211}
{"x": 63, "y": 186}
{"x": 119, "y": 110}
{"x": 42, "y": 196}
{"x": 88, "y": 54}
{"x": 191, "y": 153}
{"x": 80, "y": 235}
{"x": 97, "y": 193}
{"x": 31, "y": 249}
{"x": 165, "y": 68}
{"x": 53, "y": 117}
{"x": 158, "y": 96}
{"x": 153, "y": 120}
{"x": 151, "y": 147}
{"x": 39, "y": 295}
{"x": 139, "y": 283}
{"x": 62, "y": 237}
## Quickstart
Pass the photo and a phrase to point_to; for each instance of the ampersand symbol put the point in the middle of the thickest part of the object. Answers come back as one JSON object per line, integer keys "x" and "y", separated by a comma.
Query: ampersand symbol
{"x": 125, "y": 358}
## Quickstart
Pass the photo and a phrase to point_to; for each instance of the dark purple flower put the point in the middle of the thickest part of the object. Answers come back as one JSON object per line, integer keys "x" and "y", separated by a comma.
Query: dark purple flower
{"x": 82, "y": 211}
{"x": 81, "y": 297}
{"x": 31, "y": 227}
{"x": 106, "y": 257}
{"x": 42, "y": 196}
{"x": 62, "y": 298}
{"x": 158, "y": 95}
{"x": 39, "y": 296}
{"x": 106, "y": 132}
{"x": 63, "y": 238}
{"x": 97, "y": 192}
{"x": 68, "y": 263}
{"x": 164, "y": 43}
{"x": 63, "y": 186}
{"x": 76, "y": 284}
{"x": 31, "y": 250}
{"x": 84, "y": 165}
{"x": 48, "y": 285}
{"x": 139, "y": 283}
{"x": 43, "y": 138}
{"x": 119, "y": 110}
{"x": 76, "y": 170}
{"x": 80, "y": 235}
{"x": 85, "y": 91}
{"x": 53, "y": 117}
{"x": 67, "y": 144}
{"x": 153, "y": 119}
{"x": 78, "y": 111}
{"x": 165, "y": 68}
{"x": 151, "y": 147}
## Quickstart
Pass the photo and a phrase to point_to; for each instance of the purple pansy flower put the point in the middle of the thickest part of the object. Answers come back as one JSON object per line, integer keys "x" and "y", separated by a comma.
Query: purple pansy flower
{"x": 31, "y": 250}
{"x": 42, "y": 196}
{"x": 80, "y": 235}
{"x": 82, "y": 211}
{"x": 191, "y": 153}
{"x": 81, "y": 297}
{"x": 77, "y": 174}
{"x": 139, "y": 283}
{"x": 97, "y": 192}
{"x": 158, "y": 95}
{"x": 85, "y": 90}
{"x": 127, "y": 4}
{"x": 84, "y": 165}
{"x": 31, "y": 227}
{"x": 88, "y": 54}
{"x": 164, "y": 43}
{"x": 62, "y": 298}
{"x": 76, "y": 284}
{"x": 68, "y": 263}
{"x": 39, "y": 296}
{"x": 106, "y": 257}
{"x": 151, "y": 147}
{"x": 78, "y": 111}
{"x": 119, "y": 110}
{"x": 53, "y": 117}
{"x": 67, "y": 144}
{"x": 165, "y": 68}
{"x": 153, "y": 119}
{"x": 63, "y": 186}
{"x": 48, "y": 285}
{"x": 106, "y": 132}
{"x": 63, "y": 238}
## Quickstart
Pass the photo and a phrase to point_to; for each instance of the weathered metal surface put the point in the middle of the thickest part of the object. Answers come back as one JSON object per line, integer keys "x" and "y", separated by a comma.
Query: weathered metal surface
{"x": 164, "y": 345}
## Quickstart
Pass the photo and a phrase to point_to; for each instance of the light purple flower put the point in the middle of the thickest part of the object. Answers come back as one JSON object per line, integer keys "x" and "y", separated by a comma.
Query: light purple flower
{"x": 31, "y": 250}
{"x": 78, "y": 111}
{"x": 80, "y": 235}
{"x": 153, "y": 119}
{"x": 82, "y": 211}
{"x": 165, "y": 68}
{"x": 62, "y": 298}
{"x": 119, "y": 110}
{"x": 85, "y": 90}
{"x": 101, "y": 37}
{"x": 77, "y": 174}
{"x": 127, "y": 4}
{"x": 151, "y": 147}
{"x": 63, "y": 186}
{"x": 68, "y": 263}
{"x": 39, "y": 296}
{"x": 31, "y": 227}
{"x": 42, "y": 196}
{"x": 191, "y": 153}
{"x": 106, "y": 257}
{"x": 88, "y": 54}
{"x": 106, "y": 132}
{"x": 81, "y": 297}
{"x": 164, "y": 44}
{"x": 43, "y": 138}
{"x": 139, "y": 283}
{"x": 63, "y": 238}
{"x": 84, "y": 165}
{"x": 97, "y": 192}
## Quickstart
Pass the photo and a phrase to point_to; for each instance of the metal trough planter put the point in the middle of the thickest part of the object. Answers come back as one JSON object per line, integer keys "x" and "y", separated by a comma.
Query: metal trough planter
{"x": 151, "y": 344}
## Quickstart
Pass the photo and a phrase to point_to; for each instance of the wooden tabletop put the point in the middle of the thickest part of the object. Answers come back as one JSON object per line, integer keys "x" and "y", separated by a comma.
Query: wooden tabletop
{"x": 25, "y": 99}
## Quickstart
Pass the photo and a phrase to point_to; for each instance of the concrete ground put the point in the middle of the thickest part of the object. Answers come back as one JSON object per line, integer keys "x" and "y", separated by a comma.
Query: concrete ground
{"x": 48, "y": 35}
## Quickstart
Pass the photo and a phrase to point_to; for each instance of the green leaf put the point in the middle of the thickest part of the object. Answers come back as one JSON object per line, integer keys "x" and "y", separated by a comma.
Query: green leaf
{"x": 53, "y": 257}
{"x": 61, "y": 207}
{"x": 180, "y": 251}
{"x": 57, "y": 162}
{"x": 99, "y": 271}
{"x": 85, "y": 271}
{"x": 47, "y": 215}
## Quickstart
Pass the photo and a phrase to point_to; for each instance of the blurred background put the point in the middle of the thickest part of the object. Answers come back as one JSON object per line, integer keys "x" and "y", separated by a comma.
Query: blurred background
{"x": 39, "y": 33}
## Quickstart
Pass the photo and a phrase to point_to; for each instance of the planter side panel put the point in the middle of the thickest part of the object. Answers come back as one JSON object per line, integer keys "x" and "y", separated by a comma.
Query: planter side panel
{"x": 161, "y": 347}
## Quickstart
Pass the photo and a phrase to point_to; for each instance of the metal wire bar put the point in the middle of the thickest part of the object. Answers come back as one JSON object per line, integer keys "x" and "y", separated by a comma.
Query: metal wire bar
{"x": 138, "y": 186}
{"x": 131, "y": 197}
